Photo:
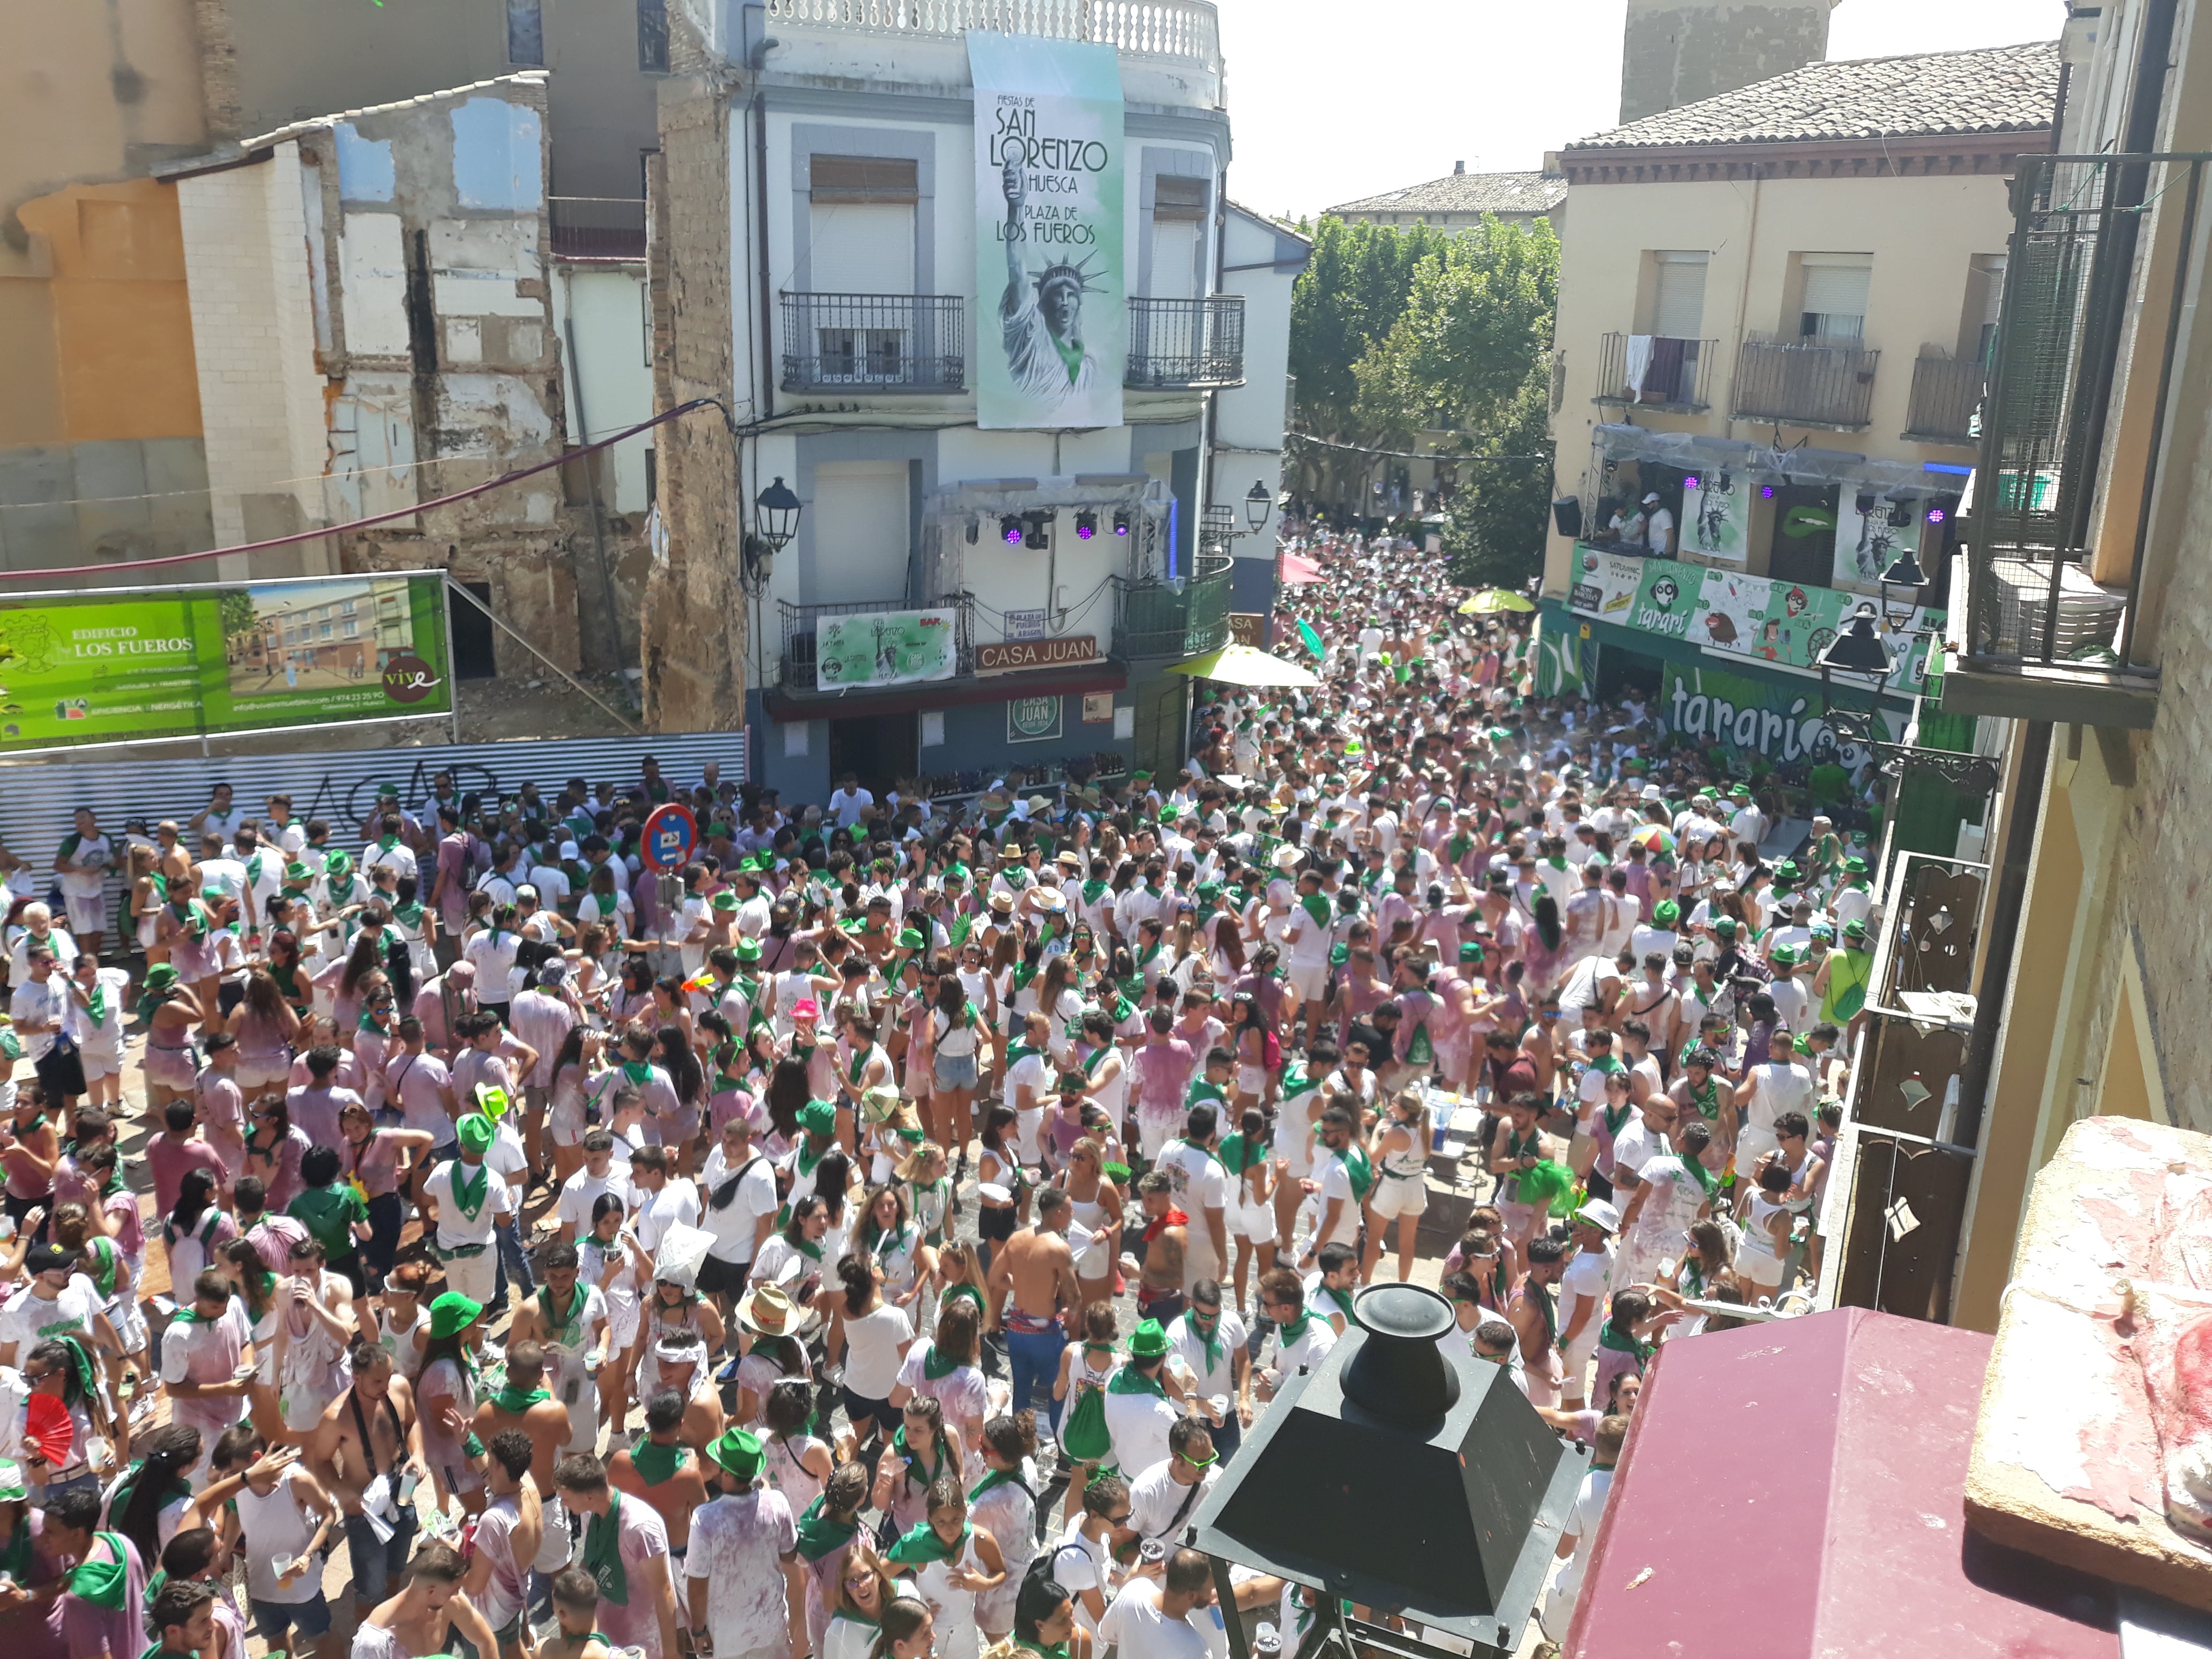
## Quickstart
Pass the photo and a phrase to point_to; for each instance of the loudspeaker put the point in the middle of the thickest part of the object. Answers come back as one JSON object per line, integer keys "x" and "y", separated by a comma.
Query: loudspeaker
{"x": 1567, "y": 515}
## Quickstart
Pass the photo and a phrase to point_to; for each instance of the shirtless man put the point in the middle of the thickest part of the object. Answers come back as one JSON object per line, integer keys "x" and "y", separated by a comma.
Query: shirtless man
{"x": 663, "y": 1471}
{"x": 1159, "y": 1296}
{"x": 1534, "y": 1312}
{"x": 371, "y": 1430}
{"x": 525, "y": 1406}
{"x": 1037, "y": 1268}
{"x": 422, "y": 1618}
{"x": 569, "y": 1321}
{"x": 678, "y": 1365}
{"x": 1516, "y": 1146}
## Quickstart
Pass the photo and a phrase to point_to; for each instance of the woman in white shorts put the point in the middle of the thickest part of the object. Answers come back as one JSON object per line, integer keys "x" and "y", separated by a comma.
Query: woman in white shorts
{"x": 1251, "y": 1216}
{"x": 606, "y": 1258}
{"x": 1295, "y": 1114}
{"x": 579, "y": 1057}
{"x": 1400, "y": 1153}
{"x": 266, "y": 1030}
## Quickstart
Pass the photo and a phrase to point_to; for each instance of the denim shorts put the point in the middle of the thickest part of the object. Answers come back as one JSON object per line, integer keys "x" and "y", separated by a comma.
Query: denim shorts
{"x": 309, "y": 1619}
{"x": 954, "y": 1071}
{"x": 376, "y": 1565}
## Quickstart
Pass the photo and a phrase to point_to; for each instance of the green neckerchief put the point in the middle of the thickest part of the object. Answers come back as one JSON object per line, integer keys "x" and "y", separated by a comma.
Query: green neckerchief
{"x": 1092, "y": 889}
{"x": 103, "y": 1582}
{"x": 106, "y": 1262}
{"x": 1239, "y": 1152}
{"x": 1209, "y": 1339}
{"x": 408, "y": 916}
{"x": 1018, "y": 1052}
{"x": 1060, "y": 1652}
{"x": 656, "y": 1463}
{"x": 913, "y": 1458}
{"x": 817, "y": 1534}
{"x": 935, "y": 1365}
{"x": 1145, "y": 957}
{"x": 1614, "y": 1119}
{"x": 1129, "y": 1380}
{"x": 859, "y": 1068}
{"x": 1094, "y": 1059}
{"x": 921, "y": 1546}
{"x": 1362, "y": 1173}
{"x": 96, "y": 1003}
{"x": 888, "y": 1241}
{"x": 1612, "y": 1338}
{"x": 637, "y": 1071}
{"x": 565, "y": 1328}
{"x": 1342, "y": 1299}
{"x": 967, "y": 1290}
{"x": 368, "y": 1023}
{"x": 603, "y": 1554}
{"x": 1317, "y": 907}
{"x": 1706, "y": 1178}
{"x": 1287, "y": 1333}
{"x": 1708, "y": 1102}
{"x": 512, "y": 1400}
{"x": 469, "y": 1195}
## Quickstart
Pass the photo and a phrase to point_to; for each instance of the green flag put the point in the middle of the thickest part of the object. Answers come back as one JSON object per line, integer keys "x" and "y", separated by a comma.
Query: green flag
{"x": 1312, "y": 640}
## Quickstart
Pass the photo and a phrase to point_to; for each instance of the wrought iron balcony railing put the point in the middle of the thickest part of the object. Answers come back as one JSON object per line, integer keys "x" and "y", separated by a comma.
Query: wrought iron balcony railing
{"x": 797, "y": 673}
{"x": 1804, "y": 381}
{"x": 1655, "y": 371}
{"x": 874, "y": 341}
{"x": 1947, "y": 399}
{"x": 1186, "y": 344}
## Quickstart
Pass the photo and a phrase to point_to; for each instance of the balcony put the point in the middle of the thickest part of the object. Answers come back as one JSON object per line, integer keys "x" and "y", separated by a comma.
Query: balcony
{"x": 608, "y": 229}
{"x": 1149, "y": 28}
{"x": 1947, "y": 399}
{"x": 874, "y": 343}
{"x": 2051, "y": 626}
{"x": 1186, "y": 345}
{"x": 1807, "y": 382}
{"x": 1655, "y": 371}
{"x": 1157, "y": 618}
{"x": 800, "y": 638}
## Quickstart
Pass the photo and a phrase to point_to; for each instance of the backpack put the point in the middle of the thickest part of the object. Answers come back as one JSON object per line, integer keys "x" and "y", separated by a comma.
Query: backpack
{"x": 1271, "y": 1049}
{"x": 1085, "y": 1439}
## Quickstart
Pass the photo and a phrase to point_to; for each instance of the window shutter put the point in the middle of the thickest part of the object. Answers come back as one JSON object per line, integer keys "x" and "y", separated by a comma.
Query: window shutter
{"x": 1180, "y": 198}
{"x": 1679, "y": 311}
{"x": 862, "y": 178}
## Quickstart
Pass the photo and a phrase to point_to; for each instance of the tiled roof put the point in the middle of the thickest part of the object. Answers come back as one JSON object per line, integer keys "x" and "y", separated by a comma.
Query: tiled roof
{"x": 1468, "y": 193}
{"x": 1993, "y": 89}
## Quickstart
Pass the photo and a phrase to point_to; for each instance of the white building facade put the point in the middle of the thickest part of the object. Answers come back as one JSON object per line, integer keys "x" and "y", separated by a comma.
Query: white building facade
{"x": 1022, "y": 571}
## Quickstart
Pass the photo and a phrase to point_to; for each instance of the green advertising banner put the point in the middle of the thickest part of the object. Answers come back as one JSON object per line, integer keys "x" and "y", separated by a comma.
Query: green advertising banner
{"x": 1783, "y": 724}
{"x": 135, "y": 665}
{"x": 1790, "y": 623}
{"x": 885, "y": 647}
{"x": 1049, "y": 149}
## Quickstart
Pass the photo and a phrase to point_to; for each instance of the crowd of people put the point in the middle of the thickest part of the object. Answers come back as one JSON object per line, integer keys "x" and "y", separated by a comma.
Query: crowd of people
{"x": 873, "y": 1238}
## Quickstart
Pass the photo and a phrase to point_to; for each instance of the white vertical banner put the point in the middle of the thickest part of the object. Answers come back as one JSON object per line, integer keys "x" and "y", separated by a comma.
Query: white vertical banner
{"x": 1052, "y": 337}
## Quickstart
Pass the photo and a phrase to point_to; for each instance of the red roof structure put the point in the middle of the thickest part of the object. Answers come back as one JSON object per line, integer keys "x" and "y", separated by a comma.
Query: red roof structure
{"x": 1795, "y": 1491}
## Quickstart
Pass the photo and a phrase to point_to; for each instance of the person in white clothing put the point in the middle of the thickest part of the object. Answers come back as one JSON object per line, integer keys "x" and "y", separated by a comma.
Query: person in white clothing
{"x": 1158, "y": 1618}
{"x": 1581, "y": 1530}
{"x": 1779, "y": 1086}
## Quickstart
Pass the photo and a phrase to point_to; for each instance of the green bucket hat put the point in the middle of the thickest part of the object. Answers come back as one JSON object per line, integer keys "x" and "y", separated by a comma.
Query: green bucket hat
{"x": 726, "y": 900}
{"x": 1667, "y": 912}
{"x": 739, "y": 1455}
{"x": 453, "y": 1313}
{"x": 748, "y": 949}
{"x": 818, "y": 1117}
{"x": 1148, "y": 1342}
{"x": 476, "y": 1133}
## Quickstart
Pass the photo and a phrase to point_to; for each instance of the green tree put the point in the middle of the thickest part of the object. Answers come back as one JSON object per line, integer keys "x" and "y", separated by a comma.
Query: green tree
{"x": 235, "y": 607}
{"x": 1496, "y": 538}
{"x": 1476, "y": 325}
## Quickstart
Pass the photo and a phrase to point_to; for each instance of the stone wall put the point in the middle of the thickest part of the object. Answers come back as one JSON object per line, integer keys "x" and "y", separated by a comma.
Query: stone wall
{"x": 693, "y": 627}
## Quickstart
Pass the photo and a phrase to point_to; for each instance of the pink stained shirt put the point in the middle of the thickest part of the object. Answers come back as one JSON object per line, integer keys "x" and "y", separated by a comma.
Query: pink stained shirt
{"x": 1164, "y": 1072}
{"x": 414, "y": 1081}
{"x": 169, "y": 1158}
{"x": 374, "y": 1163}
{"x": 222, "y": 1120}
{"x": 543, "y": 1021}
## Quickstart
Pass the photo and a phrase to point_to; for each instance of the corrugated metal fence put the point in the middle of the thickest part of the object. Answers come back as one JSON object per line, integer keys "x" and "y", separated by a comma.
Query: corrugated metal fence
{"x": 36, "y": 800}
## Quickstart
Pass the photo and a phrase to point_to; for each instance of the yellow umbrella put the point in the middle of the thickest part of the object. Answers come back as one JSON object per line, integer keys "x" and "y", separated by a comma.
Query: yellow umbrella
{"x": 1494, "y": 600}
{"x": 1240, "y": 664}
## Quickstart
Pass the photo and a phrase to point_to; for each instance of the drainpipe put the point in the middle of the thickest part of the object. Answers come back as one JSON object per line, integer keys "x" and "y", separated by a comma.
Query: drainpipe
{"x": 2005, "y": 936}
{"x": 591, "y": 481}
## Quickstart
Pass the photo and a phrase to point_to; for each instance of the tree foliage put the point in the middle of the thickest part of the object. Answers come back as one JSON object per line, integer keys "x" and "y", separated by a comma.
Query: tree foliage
{"x": 234, "y": 606}
{"x": 1396, "y": 334}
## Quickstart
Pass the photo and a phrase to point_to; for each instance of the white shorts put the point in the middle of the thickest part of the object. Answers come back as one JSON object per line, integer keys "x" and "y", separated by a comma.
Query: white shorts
{"x": 87, "y": 915}
{"x": 262, "y": 1072}
{"x": 1252, "y": 1080}
{"x": 553, "y": 1551}
{"x": 101, "y": 1062}
{"x": 1758, "y": 1267}
{"x": 476, "y": 1277}
{"x": 1255, "y": 1222}
{"x": 1751, "y": 1144}
{"x": 1395, "y": 1195}
{"x": 1308, "y": 979}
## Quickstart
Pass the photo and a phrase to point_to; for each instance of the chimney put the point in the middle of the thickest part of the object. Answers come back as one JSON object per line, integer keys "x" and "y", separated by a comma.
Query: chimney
{"x": 1459, "y": 166}
{"x": 1668, "y": 58}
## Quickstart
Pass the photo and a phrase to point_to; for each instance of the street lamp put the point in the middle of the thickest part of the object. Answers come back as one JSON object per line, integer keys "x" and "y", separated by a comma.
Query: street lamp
{"x": 775, "y": 521}
{"x": 1858, "y": 651}
{"x": 1901, "y": 583}
{"x": 1256, "y": 505}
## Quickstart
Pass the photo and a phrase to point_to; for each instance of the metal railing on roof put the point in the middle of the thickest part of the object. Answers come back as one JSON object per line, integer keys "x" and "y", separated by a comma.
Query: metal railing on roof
{"x": 1155, "y": 28}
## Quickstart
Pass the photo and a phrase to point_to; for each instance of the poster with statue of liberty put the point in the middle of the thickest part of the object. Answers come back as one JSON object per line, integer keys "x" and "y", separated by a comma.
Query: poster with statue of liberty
{"x": 1053, "y": 324}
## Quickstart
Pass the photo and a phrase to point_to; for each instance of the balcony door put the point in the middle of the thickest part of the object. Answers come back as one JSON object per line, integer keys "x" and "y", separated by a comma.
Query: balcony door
{"x": 861, "y": 231}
